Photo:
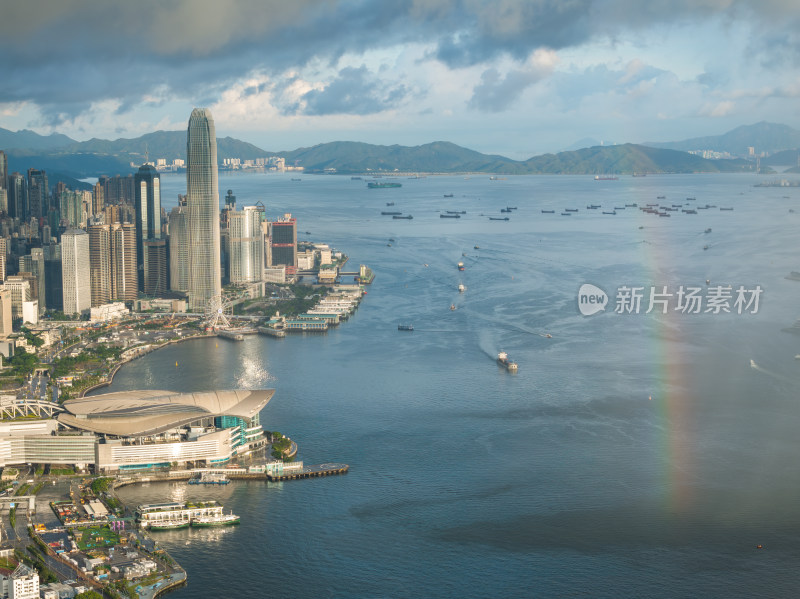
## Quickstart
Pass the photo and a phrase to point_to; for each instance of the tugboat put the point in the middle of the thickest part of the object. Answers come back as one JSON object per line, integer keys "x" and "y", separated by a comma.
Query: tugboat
{"x": 503, "y": 360}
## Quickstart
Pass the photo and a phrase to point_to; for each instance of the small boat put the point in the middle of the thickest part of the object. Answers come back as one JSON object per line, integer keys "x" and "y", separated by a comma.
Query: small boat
{"x": 570, "y": 209}
{"x": 661, "y": 197}
{"x": 448, "y": 195}
{"x": 566, "y": 214}
{"x": 726, "y": 208}
{"x": 503, "y": 360}
{"x": 460, "y": 266}
{"x": 495, "y": 218}
{"x": 504, "y": 210}
{"x": 449, "y": 216}
{"x": 612, "y": 212}
{"x": 548, "y": 211}
{"x": 461, "y": 288}
{"x": 634, "y": 205}
{"x": 390, "y": 203}
{"x": 391, "y": 239}
{"x": 548, "y": 336}
{"x": 405, "y": 327}
{"x": 691, "y": 199}
{"x": 797, "y": 357}
{"x": 397, "y": 217}
{"x": 664, "y": 214}
{"x": 477, "y": 247}
{"x": 753, "y": 364}
{"x": 452, "y": 306}
{"x": 708, "y": 230}
{"x": 705, "y": 247}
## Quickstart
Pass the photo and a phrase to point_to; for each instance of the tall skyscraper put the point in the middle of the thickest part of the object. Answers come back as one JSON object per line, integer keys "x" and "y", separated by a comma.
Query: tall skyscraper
{"x": 98, "y": 198}
{"x": 245, "y": 245}
{"x": 3, "y": 182}
{"x": 283, "y": 242}
{"x": 151, "y": 253}
{"x": 75, "y": 271}
{"x": 17, "y": 196}
{"x": 178, "y": 250}
{"x": 38, "y": 193}
{"x": 202, "y": 189}
{"x": 34, "y": 264}
{"x": 54, "y": 289}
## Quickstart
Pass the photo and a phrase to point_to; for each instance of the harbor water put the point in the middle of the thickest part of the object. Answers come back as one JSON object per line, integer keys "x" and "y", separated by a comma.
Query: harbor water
{"x": 632, "y": 455}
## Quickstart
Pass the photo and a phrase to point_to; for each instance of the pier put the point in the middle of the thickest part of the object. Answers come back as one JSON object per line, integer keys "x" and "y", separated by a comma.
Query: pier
{"x": 310, "y": 472}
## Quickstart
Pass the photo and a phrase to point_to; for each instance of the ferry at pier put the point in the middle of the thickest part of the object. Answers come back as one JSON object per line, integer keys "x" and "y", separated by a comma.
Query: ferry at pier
{"x": 221, "y": 520}
{"x": 170, "y": 525}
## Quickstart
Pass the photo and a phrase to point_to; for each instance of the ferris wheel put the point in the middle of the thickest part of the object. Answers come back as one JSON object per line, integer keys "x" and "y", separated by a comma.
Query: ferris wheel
{"x": 218, "y": 312}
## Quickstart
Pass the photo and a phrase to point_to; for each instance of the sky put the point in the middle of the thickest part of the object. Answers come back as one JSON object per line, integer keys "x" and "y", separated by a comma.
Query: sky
{"x": 511, "y": 77}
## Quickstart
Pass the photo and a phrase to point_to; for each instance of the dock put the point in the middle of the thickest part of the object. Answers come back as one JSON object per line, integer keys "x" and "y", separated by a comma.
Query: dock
{"x": 310, "y": 472}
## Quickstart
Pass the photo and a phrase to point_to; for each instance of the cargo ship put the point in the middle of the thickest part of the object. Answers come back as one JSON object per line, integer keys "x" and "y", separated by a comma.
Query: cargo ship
{"x": 220, "y": 520}
{"x": 382, "y": 185}
{"x": 503, "y": 360}
{"x": 398, "y": 217}
{"x": 449, "y": 216}
{"x": 389, "y": 213}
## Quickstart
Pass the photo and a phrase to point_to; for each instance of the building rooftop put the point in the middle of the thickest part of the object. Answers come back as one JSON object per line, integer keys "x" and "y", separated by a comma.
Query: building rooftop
{"x": 142, "y": 413}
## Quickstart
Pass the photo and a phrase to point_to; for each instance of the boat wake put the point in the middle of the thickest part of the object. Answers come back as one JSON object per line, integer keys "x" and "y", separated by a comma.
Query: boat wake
{"x": 775, "y": 375}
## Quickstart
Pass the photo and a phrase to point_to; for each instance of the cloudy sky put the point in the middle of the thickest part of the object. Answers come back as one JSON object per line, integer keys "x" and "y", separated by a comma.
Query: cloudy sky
{"x": 511, "y": 77}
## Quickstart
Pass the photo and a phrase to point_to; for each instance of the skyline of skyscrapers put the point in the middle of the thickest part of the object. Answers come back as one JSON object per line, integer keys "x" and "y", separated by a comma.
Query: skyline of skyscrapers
{"x": 202, "y": 190}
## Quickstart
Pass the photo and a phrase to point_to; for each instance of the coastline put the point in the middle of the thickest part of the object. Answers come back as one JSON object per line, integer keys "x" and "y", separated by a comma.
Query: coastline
{"x": 110, "y": 378}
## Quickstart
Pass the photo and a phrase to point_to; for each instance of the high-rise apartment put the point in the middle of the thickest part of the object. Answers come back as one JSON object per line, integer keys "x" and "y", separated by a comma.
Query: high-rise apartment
{"x": 245, "y": 245}
{"x": 75, "y": 271}
{"x": 123, "y": 262}
{"x": 98, "y": 198}
{"x": 100, "y": 264}
{"x": 202, "y": 190}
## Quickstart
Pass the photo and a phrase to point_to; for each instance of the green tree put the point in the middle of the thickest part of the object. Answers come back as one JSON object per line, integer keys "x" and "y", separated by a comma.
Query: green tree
{"x": 89, "y": 595}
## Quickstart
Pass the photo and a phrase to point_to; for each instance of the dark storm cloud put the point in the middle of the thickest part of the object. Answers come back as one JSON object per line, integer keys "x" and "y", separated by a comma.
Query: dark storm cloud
{"x": 75, "y": 52}
{"x": 496, "y": 92}
{"x": 354, "y": 91}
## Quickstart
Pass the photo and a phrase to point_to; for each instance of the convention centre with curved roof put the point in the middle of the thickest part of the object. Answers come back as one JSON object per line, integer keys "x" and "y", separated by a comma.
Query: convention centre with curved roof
{"x": 127, "y": 414}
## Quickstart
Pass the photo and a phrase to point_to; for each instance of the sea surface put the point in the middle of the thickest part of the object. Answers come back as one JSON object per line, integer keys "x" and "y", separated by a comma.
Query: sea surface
{"x": 632, "y": 455}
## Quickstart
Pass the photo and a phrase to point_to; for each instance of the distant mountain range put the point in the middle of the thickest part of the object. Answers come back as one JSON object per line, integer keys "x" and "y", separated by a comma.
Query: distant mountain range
{"x": 61, "y": 154}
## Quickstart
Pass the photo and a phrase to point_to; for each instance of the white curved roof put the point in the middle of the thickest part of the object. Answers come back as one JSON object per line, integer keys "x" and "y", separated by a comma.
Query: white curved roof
{"x": 140, "y": 413}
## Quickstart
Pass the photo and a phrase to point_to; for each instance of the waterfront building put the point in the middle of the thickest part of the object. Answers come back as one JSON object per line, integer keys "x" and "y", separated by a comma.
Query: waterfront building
{"x": 148, "y": 228}
{"x": 178, "y": 427}
{"x": 108, "y": 312}
{"x": 178, "y": 250}
{"x": 202, "y": 189}
{"x": 100, "y": 264}
{"x": 245, "y": 245}
{"x": 75, "y": 271}
{"x": 283, "y": 243}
